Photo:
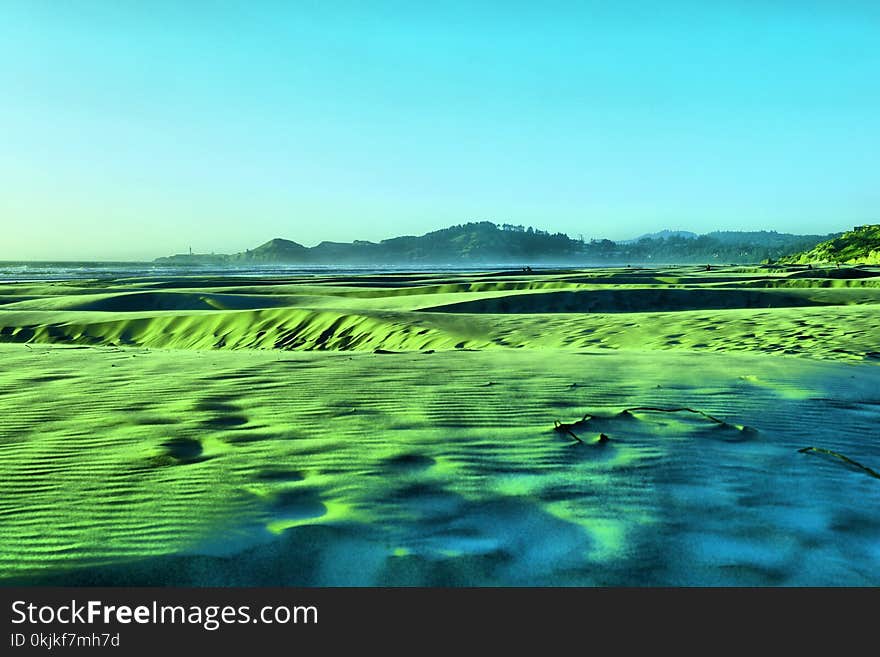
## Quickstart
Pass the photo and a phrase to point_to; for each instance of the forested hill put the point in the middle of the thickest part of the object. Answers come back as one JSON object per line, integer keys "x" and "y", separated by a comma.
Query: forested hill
{"x": 860, "y": 246}
{"x": 486, "y": 242}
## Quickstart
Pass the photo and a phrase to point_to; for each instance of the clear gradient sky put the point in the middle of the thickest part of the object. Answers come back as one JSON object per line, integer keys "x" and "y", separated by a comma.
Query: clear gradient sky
{"x": 130, "y": 130}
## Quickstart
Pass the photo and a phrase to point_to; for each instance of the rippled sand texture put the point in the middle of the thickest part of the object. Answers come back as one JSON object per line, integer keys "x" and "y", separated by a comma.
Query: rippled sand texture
{"x": 400, "y": 429}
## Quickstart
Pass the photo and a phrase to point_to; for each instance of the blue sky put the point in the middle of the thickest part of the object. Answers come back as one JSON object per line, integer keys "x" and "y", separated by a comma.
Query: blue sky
{"x": 131, "y": 130}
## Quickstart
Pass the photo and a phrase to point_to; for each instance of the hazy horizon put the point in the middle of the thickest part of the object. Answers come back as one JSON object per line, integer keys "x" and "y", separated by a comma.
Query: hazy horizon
{"x": 133, "y": 132}
{"x": 185, "y": 249}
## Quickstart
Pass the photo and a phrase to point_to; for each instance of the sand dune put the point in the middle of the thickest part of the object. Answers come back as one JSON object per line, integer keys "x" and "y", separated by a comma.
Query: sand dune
{"x": 657, "y": 299}
{"x": 149, "y": 301}
{"x": 506, "y": 310}
{"x": 249, "y": 432}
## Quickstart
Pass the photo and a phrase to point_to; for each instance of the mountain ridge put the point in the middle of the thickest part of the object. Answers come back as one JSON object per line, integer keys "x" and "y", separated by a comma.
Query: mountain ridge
{"x": 487, "y": 242}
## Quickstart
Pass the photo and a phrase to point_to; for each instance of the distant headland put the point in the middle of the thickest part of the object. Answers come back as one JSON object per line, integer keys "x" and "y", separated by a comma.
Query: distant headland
{"x": 487, "y": 242}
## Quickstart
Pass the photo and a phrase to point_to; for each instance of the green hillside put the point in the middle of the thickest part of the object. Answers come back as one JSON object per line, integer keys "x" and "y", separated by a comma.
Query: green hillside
{"x": 858, "y": 246}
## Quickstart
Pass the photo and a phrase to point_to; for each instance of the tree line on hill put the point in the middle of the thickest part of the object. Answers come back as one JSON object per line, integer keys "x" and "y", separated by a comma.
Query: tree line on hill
{"x": 487, "y": 242}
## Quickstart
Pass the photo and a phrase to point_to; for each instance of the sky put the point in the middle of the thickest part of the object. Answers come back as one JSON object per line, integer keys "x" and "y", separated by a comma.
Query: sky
{"x": 131, "y": 130}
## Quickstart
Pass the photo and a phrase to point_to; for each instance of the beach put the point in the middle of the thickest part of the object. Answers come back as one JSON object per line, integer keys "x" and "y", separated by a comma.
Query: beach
{"x": 618, "y": 426}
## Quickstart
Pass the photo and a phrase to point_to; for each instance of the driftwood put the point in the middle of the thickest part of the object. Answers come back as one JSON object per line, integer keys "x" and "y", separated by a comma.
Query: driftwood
{"x": 566, "y": 427}
{"x": 683, "y": 409}
{"x": 820, "y": 450}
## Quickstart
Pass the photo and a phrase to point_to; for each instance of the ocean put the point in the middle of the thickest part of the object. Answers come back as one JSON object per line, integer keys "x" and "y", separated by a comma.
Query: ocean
{"x": 19, "y": 271}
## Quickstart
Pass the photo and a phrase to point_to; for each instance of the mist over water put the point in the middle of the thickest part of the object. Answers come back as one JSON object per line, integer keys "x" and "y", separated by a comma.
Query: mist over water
{"x": 12, "y": 272}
